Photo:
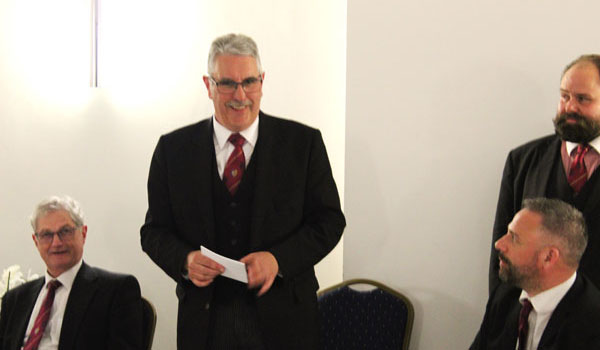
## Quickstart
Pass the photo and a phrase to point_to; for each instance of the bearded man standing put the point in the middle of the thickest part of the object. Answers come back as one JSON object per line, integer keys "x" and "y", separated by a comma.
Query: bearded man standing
{"x": 562, "y": 165}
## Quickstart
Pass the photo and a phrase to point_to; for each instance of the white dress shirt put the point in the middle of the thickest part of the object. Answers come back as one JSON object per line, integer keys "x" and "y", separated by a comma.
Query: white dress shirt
{"x": 543, "y": 306}
{"x": 52, "y": 332}
{"x": 223, "y": 149}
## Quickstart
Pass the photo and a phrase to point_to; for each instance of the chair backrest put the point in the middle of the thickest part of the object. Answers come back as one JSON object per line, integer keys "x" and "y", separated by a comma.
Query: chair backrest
{"x": 378, "y": 318}
{"x": 149, "y": 323}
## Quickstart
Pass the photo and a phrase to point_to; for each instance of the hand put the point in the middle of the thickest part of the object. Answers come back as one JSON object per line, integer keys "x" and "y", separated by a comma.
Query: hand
{"x": 202, "y": 270}
{"x": 262, "y": 268}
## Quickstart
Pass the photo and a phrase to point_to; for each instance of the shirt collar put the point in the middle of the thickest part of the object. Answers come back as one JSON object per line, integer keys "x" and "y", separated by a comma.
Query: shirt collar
{"x": 222, "y": 133}
{"x": 547, "y": 300}
{"x": 595, "y": 143}
{"x": 66, "y": 278}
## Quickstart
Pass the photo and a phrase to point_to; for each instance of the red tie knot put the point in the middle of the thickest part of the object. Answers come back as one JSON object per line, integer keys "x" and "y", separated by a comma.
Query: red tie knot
{"x": 52, "y": 285}
{"x": 236, "y": 139}
{"x": 581, "y": 150}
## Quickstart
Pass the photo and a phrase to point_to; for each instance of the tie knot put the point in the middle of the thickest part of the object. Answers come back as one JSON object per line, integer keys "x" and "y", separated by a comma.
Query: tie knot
{"x": 527, "y": 307}
{"x": 236, "y": 139}
{"x": 52, "y": 285}
{"x": 581, "y": 150}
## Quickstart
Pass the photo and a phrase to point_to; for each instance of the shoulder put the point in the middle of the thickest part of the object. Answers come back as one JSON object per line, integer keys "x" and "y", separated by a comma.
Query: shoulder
{"x": 585, "y": 297}
{"x": 188, "y": 129}
{"x": 539, "y": 145}
{"x": 286, "y": 126}
{"x": 504, "y": 295}
{"x": 186, "y": 135}
{"x": 107, "y": 277}
{"x": 24, "y": 288}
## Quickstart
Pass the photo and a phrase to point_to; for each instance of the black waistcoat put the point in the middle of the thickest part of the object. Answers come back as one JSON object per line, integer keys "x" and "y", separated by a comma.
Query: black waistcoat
{"x": 232, "y": 225}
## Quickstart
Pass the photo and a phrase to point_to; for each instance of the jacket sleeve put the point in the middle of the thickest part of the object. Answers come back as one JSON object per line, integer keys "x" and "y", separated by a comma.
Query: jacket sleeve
{"x": 323, "y": 221}
{"x": 505, "y": 211}
{"x": 158, "y": 237}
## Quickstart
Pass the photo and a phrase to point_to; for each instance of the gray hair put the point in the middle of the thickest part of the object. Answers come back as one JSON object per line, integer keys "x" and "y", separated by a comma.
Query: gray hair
{"x": 233, "y": 44}
{"x": 56, "y": 203}
{"x": 591, "y": 58}
{"x": 562, "y": 221}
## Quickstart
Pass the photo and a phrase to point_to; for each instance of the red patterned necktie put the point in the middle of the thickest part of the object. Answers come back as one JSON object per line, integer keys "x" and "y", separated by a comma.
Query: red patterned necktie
{"x": 578, "y": 173}
{"x": 236, "y": 164}
{"x": 524, "y": 323}
{"x": 35, "y": 336}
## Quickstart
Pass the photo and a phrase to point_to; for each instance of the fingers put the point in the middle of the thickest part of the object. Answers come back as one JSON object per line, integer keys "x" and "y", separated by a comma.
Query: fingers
{"x": 262, "y": 269}
{"x": 202, "y": 270}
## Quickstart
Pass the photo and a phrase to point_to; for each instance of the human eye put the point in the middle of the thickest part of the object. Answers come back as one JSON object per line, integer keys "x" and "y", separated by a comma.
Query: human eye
{"x": 583, "y": 99}
{"x": 45, "y": 236}
{"x": 228, "y": 84}
{"x": 249, "y": 81}
{"x": 66, "y": 231}
{"x": 564, "y": 96}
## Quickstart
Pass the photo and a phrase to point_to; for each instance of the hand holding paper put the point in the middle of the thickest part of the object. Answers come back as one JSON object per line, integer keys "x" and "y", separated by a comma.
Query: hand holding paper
{"x": 233, "y": 269}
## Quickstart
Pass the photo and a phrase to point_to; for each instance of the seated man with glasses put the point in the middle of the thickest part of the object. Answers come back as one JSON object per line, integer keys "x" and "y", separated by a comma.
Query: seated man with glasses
{"x": 75, "y": 306}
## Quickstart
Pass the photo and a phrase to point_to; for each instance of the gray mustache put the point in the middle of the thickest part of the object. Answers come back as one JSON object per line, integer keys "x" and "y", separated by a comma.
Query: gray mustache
{"x": 238, "y": 104}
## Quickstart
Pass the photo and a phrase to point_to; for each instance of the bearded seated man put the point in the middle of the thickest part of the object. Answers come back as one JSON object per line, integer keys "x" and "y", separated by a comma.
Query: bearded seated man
{"x": 544, "y": 303}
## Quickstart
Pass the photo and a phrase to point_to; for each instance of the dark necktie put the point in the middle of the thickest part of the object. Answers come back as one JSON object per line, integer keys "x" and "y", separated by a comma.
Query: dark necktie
{"x": 524, "y": 323}
{"x": 578, "y": 173}
{"x": 39, "y": 326}
{"x": 234, "y": 168}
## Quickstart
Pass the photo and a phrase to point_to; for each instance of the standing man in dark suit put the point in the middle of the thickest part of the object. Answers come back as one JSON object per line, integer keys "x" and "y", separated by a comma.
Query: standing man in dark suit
{"x": 545, "y": 303}
{"x": 562, "y": 165}
{"x": 75, "y": 306}
{"x": 280, "y": 219}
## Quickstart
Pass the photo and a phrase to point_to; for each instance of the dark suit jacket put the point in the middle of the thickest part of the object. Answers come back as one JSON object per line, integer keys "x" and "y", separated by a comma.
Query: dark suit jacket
{"x": 535, "y": 170}
{"x": 296, "y": 216}
{"x": 103, "y": 312}
{"x": 574, "y": 324}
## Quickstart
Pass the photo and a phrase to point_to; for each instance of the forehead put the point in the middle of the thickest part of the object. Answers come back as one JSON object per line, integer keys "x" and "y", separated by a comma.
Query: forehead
{"x": 526, "y": 224}
{"x": 235, "y": 67}
{"x": 582, "y": 76}
{"x": 54, "y": 220}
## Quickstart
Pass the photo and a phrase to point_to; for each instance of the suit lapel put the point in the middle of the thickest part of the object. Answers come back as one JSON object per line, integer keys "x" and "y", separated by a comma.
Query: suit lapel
{"x": 561, "y": 313}
{"x": 29, "y": 299}
{"x": 269, "y": 157}
{"x": 83, "y": 291}
{"x": 202, "y": 157}
{"x": 592, "y": 202}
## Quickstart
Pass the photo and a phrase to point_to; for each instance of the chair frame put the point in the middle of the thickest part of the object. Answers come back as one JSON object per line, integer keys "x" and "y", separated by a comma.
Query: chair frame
{"x": 149, "y": 337}
{"x": 409, "y": 306}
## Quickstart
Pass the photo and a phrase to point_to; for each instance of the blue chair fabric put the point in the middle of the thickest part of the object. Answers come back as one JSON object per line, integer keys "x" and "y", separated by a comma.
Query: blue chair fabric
{"x": 379, "y": 318}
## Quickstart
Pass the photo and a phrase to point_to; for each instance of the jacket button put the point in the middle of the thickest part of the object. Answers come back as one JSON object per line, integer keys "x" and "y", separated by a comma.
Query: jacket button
{"x": 207, "y": 306}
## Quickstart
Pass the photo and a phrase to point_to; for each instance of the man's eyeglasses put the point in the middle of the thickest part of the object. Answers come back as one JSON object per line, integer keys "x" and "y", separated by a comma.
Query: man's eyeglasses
{"x": 65, "y": 234}
{"x": 228, "y": 86}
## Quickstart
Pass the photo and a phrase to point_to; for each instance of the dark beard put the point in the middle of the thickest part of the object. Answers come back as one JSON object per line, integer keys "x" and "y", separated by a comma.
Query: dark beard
{"x": 583, "y": 130}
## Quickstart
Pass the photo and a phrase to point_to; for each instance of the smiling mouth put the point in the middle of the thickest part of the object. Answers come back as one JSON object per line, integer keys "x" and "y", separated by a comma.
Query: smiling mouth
{"x": 60, "y": 252}
{"x": 238, "y": 105}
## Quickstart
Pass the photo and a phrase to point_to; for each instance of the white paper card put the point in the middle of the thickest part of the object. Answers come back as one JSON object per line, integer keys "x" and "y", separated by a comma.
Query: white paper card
{"x": 233, "y": 269}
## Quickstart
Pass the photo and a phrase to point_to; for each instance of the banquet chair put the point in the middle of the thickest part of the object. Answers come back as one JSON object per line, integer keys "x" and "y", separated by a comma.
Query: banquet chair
{"x": 352, "y": 317}
{"x": 149, "y": 320}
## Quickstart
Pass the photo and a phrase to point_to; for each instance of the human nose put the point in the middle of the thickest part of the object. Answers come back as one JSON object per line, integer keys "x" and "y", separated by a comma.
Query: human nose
{"x": 499, "y": 244}
{"x": 239, "y": 93}
{"x": 570, "y": 106}
{"x": 56, "y": 239}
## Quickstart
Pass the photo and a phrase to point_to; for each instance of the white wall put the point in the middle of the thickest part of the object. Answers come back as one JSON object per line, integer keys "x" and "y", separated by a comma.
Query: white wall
{"x": 438, "y": 92}
{"x": 58, "y": 136}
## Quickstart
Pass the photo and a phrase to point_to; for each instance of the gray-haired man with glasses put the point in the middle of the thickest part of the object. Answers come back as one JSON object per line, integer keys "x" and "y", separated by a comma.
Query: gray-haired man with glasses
{"x": 253, "y": 188}
{"x": 74, "y": 306}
